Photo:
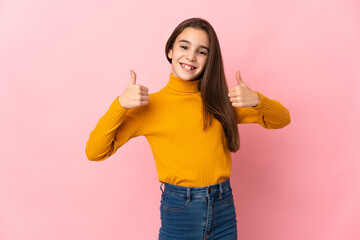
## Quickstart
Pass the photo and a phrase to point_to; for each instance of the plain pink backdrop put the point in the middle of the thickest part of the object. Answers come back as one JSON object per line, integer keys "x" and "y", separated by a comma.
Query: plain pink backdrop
{"x": 62, "y": 63}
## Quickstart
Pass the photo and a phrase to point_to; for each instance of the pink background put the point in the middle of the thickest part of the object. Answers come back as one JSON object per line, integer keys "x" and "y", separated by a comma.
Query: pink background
{"x": 62, "y": 63}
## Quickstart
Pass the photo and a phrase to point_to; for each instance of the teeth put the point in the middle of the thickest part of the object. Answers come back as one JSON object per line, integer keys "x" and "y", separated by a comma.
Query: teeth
{"x": 187, "y": 67}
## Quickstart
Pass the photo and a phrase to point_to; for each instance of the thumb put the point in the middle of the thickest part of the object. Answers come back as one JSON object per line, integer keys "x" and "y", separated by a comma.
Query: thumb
{"x": 132, "y": 78}
{"x": 238, "y": 78}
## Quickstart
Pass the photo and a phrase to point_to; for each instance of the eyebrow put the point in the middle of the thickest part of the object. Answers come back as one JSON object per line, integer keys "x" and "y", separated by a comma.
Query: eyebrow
{"x": 186, "y": 41}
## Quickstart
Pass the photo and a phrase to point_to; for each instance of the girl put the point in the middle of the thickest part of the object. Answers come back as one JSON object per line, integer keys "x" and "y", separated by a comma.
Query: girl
{"x": 191, "y": 126}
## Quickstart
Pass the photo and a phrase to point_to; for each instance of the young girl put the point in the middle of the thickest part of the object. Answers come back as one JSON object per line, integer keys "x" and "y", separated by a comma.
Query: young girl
{"x": 191, "y": 126}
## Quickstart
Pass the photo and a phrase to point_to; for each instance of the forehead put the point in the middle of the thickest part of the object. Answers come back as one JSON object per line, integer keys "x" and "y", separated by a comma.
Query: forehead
{"x": 194, "y": 36}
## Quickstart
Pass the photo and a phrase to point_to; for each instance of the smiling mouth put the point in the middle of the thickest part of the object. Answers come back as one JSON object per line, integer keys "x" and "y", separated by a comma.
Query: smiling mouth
{"x": 187, "y": 67}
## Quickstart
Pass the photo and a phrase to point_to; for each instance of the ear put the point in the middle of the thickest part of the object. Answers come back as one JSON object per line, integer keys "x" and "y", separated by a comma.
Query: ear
{"x": 170, "y": 54}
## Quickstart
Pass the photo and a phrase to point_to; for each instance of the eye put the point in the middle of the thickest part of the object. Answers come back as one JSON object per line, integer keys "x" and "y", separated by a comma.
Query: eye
{"x": 184, "y": 47}
{"x": 202, "y": 53}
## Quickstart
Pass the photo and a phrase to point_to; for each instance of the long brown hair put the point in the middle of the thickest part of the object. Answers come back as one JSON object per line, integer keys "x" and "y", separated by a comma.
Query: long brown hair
{"x": 213, "y": 85}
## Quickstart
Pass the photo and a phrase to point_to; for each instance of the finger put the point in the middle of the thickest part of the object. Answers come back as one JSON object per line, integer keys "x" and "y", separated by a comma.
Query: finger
{"x": 143, "y": 103}
{"x": 235, "y": 99}
{"x": 232, "y": 94}
{"x": 133, "y": 77}
{"x": 143, "y": 88}
{"x": 144, "y": 93}
{"x": 234, "y": 89}
{"x": 235, "y": 104}
{"x": 238, "y": 78}
{"x": 237, "y": 88}
{"x": 144, "y": 98}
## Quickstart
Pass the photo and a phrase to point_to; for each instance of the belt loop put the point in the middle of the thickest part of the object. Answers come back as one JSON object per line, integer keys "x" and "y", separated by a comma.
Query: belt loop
{"x": 188, "y": 194}
{"x": 221, "y": 191}
{"x": 161, "y": 186}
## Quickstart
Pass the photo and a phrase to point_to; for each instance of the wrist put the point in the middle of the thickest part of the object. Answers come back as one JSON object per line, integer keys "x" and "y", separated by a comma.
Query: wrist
{"x": 119, "y": 99}
{"x": 257, "y": 99}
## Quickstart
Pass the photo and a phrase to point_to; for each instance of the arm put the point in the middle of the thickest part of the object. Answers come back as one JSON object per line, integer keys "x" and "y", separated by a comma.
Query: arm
{"x": 253, "y": 107}
{"x": 268, "y": 113}
{"x": 113, "y": 130}
{"x": 123, "y": 120}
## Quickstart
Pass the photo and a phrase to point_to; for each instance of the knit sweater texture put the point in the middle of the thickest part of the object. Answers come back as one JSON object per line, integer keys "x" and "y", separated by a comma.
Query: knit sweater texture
{"x": 172, "y": 123}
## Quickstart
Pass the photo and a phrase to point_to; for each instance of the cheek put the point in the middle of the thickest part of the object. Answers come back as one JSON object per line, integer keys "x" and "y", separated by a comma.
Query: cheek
{"x": 176, "y": 54}
{"x": 203, "y": 62}
{"x": 173, "y": 64}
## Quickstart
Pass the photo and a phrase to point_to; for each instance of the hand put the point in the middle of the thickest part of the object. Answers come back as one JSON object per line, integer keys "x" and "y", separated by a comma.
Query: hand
{"x": 135, "y": 95}
{"x": 241, "y": 95}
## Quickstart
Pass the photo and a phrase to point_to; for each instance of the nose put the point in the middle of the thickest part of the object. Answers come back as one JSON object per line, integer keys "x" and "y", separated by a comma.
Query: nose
{"x": 191, "y": 57}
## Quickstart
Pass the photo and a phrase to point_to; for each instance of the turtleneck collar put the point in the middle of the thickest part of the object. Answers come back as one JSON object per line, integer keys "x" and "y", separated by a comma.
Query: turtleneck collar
{"x": 178, "y": 84}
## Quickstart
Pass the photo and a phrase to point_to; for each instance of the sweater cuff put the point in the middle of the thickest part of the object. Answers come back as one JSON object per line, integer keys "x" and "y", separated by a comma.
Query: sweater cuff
{"x": 261, "y": 101}
{"x": 118, "y": 106}
{"x": 265, "y": 103}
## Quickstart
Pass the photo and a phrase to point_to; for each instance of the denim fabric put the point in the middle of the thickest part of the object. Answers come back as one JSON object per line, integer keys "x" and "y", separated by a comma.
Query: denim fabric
{"x": 197, "y": 213}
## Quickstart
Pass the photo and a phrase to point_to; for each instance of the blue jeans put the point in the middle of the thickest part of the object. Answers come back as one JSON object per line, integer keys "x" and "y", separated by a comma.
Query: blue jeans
{"x": 197, "y": 213}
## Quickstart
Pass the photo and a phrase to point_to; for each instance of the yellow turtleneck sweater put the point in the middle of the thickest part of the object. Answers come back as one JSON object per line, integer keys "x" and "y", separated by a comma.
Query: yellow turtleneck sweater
{"x": 172, "y": 123}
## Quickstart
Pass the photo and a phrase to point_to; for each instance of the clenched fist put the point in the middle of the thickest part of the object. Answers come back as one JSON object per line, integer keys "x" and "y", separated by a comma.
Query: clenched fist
{"x": 135, "y": 95}
{"x": 241, "y": 95}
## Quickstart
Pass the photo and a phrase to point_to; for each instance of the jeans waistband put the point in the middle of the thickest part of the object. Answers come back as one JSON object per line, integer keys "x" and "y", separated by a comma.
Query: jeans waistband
{"x": 218, "y": 188}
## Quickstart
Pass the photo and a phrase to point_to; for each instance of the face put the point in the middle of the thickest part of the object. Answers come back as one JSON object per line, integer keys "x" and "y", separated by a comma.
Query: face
{"x": 189, "y": 53}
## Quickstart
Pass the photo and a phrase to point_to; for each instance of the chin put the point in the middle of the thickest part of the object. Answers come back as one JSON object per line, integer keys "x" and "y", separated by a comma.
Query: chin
{"x": 189, "y": 77}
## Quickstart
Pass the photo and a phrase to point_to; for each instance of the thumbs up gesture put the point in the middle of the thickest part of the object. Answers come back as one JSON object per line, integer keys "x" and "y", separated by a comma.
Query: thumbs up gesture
{"x": 241, "y": 95}
{"x": 135, "y": 95}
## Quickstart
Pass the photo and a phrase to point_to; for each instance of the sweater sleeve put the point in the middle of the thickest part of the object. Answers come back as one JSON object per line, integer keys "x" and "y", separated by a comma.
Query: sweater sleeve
{"x": 268, "y": 113}
{"x": 116, "y": 127}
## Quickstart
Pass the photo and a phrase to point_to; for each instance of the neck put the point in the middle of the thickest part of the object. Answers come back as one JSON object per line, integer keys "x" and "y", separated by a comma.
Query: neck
{"x": 181, "y": 85}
